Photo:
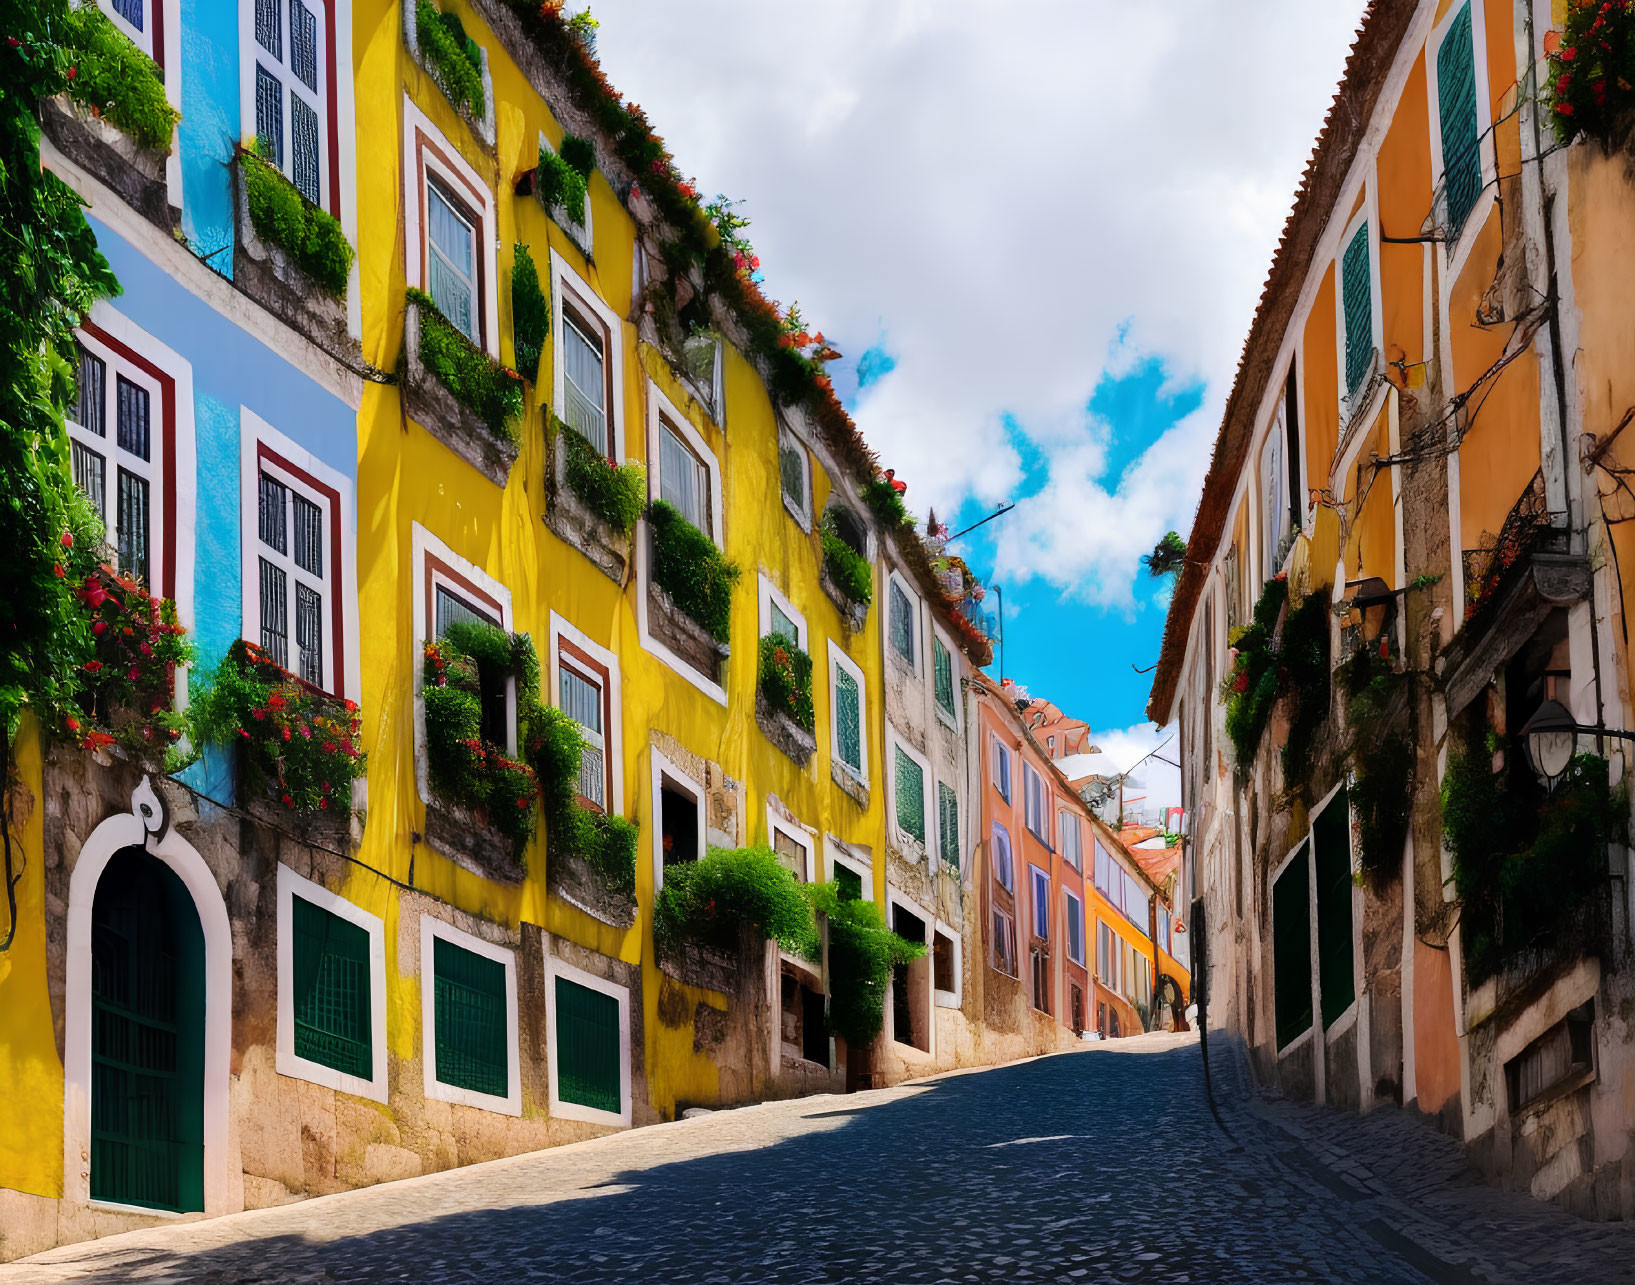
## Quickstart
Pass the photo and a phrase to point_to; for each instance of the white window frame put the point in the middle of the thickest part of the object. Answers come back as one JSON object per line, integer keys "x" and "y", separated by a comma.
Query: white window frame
{"x": 777, "y": 824}
{"x": 768, "y": 595}
{"x": 612, "y": 734}
{"x": 1031, "y": 777}
{"x": 841, "y": 854}
{"x": 341, "y": 580}
{"x": 555, "y": 968}
{"x": 251, "y": 51}
{"x": 1063, "y": 817}
{"x": 916, "y": 847}
{"x": 1035, "y": 873}
{"x": 431, "y": 929}
{"x": 838, "y": 659}
{"x": 1070, "y": 903}
{"x": 956, "y": 997}
{"x": 935, "y": 841}
{"x": 583, "y": 235}
{"x": 995, "y": 829}
{"x": 915, "y": 662}
{"x": 662, "y": 767}
{"x": 460, "y": 178}
{"x": 801, "y": 511}
{"x": 143, "y": 39}
{"x": 1002, "y": 755}
{"x": 411, "y": 37}
{"x": 423, "y": 543}
{"x": 894, "y": 899}
{"x": 288, "y": 1062}
{"x": 661, "y": 411}
{"x": 564, "y": 277}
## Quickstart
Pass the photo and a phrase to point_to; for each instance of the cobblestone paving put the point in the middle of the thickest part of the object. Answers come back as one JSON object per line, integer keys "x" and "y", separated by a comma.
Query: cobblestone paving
{"x": 1104, "y": 1165}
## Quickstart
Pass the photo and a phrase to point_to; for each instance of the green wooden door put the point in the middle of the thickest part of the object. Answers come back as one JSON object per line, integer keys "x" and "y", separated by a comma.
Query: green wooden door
{"x": 147, "y": 1038}
{"x": 587, "y": 1047}
{"x": 1335, "y": 964}
{"x": 1291, "y": 948}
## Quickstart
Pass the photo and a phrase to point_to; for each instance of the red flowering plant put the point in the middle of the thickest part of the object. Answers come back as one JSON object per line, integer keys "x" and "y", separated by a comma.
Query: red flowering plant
{"x": 461, "y": 675}
{"x": 301, "y": 745}
{"x": 128, "y": 685}
{"x": 786, "y": 679}
{"x": 1591, "y": 86}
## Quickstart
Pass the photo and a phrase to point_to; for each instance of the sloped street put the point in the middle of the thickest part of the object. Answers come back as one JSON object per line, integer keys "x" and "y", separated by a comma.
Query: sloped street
{"x": 1043, "y": 1170}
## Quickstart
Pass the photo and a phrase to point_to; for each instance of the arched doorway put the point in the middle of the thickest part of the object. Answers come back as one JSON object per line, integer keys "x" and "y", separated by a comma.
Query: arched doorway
{"x": 147, "y": 1037}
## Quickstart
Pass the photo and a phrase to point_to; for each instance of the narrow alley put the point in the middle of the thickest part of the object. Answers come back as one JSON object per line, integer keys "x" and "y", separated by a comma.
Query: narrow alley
{"x": 1041, "y": 1170}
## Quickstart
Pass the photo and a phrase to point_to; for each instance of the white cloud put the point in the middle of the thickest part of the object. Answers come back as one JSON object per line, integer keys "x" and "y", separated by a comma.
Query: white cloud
{"x": 1006, "y": 187}
{"x": 1156, "y": 782}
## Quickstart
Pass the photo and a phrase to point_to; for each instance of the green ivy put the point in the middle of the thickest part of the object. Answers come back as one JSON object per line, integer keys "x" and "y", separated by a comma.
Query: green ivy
{"x": 456, "y": 61}
{"x": 848, "y": 568}
{"x": 530, "y": 312}
{"x": 1524, "y": 859}
{"x": 605, "y": 842}
{"x": 580, "y": 154}
{"x": 51, "y": 273}
{"x": 862, "y": 953}
{"x": 1270, "y": 666}
{"x": 113, "y": 76}
{"x": 309, "y": 234}
{"x": 887, "y": 502}
{"x": 560, "y": 184}
{"x": 464, "y": 769}
{"x": 708, "y": 900}
{"x": 786, "y": 679}
{"x": 614, "y": 493}
{"x": 487, "y": 389}
{"x": 1382, "y": 761}
{"x": 688, "y": 566}
{"x": 299, "y": 744}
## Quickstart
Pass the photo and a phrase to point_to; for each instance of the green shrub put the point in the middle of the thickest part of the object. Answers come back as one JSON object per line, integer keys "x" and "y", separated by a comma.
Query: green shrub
{"x": 1168, "y": 556}
{"x": 688, "y": 566}
{"x": 1382, "y": 760}
{"x": 1261, "y": 676}
{"x": 456, "y": 62}
{"x": 849, "y": 569}
{"x": 887, "y": 502}
{"x": 530, "y": 313}
{"x": 786, "y": 679}
{"x": 606, "y": 843}
{"x": 298, "y": 743}
{"x": 116, "y": 78}
{"x": 310, "y": 235}
{"x": 558, "y": 183}
{"x": 708, "y": 900}
{"x": 580, "y": 153}
{"x": 483, "y": 386}
{"x": 862, "y": 953}
{"x": 614, "y": 493}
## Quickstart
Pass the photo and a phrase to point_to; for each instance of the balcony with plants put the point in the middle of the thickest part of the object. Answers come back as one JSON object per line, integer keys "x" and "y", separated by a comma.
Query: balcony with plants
{"x": 846, "y": 575}
{"x": 783, "y": 698}
{"x": 297, "y": 749}
{"x": 114, "y": 120}
{"x": 472, "y": 403}
{"x": 594, "y": 504}
{"x": 714, "y": 916}
{"x": 560, "y": 182}
{"x": 290, "y": 254}
{"x": 689, "y": 591}
{"x": 482, "y": 801}
{"x": 455, "y": 62}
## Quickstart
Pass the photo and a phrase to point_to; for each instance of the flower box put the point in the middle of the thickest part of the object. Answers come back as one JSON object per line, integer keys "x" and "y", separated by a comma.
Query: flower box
{"x": 580, "y": 884}
{"x": 467, "y": 837}
{"x": 271, "y": 276}
{"x": 129, "y": 684}
{"x": 134, "y": 173}
{"x": 854, "y": 614}
{"x": 429, "y": 402}
{"x": 683, "y": 635}
{"x": 789, "y": 736}
{"x": 699, "y": 964}
{"x": 573, "y": 522}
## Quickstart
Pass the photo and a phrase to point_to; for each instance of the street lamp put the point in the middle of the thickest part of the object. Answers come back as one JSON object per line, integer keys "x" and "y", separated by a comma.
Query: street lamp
{"x": 1551, "y": 735}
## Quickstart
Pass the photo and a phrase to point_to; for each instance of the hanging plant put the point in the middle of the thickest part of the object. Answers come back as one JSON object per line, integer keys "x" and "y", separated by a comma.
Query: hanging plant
{"x": 1591, "y": 74}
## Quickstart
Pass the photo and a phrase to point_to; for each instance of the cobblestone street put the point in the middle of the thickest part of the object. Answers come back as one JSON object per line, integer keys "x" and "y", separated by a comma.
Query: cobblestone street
{"x": 1035, "y": 1171}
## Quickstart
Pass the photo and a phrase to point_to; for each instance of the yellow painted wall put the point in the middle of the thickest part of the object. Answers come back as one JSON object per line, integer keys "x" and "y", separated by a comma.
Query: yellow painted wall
{"x": 407, "y": 475}
{"x": 1321, "y": 405}
{"x": 31, "y": 1078}
{"x": 1372, "y": 548}
{"x": 1403, "y": 180}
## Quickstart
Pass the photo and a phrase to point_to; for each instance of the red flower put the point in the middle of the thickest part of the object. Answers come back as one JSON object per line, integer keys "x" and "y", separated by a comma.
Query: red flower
{"x": 145, "y": 649}
{"x": 72, "y": 71}
{"x": 70, "y": 721}
{"x": 96, "y": 740}
{"x": 351, "y": 706}
{"x": 258, "y": 714}
{"x": 1568, "y": 54}
{"x": 1564, "y": 109}
{"x": 323, "y": 803}
{"x": 275, "y": 701}
{"x": 286, "y": 733}
{"x": 67, "y": 540}
{"x": 57, "y": 570}
{"x": 286, "y": 800}
{"x": 100, "y": 628}
{"x": 134, "y": 674}
{"x": 329, "y": 747}
{"x": 13, "y": 41}
{"x": 243, "y": 733}
{"x": 92, "y": 666}
{"x": 1241, "y": 684}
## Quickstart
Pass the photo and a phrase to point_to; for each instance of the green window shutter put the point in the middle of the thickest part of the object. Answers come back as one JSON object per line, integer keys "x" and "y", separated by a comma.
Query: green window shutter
{"x": 469, "y": 1016}
{"x": 1456, "y": 100}
{"x": 1357, "y": 296}
{"x": 948, "y": 824}
{"x": 848, "y": 720}
{"x": 331, "y": 1001}
{"x": 945, "y": 675}
{"x": 910, "y": 796}
{"x": 587, "y": 1047}
{"x": 901, "y": 618}
{"x": 1291, "y": 948}
{"x": 1332, "y": 834}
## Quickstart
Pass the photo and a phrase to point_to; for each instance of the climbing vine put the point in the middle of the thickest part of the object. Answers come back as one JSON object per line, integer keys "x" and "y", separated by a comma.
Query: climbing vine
{"x": 1282, "y": 653}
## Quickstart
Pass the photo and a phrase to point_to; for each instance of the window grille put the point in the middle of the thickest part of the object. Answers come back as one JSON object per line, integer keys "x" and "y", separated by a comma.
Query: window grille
{"x": 309, "y": 634}
{"x": 331, "y": 1002}
{"x": 90, "y": 475}
{"x": 132, "y": 417}
{"x": 587, "y": 1047}
{"x": 948, "y": 823}
{"x": 269, "y": 114}
{"x": 304, "y": 47}
{"x": 910, "y": 796}
{"x": 272, "y": 511}
{"x": 269, "y": 26}
{"x": 944, "y": 665}
{"x": 304, "y": 146}
{"x": 450, "y": 260}
{"x": 902, "y": 623}
{"x": 133, "y": 525}
{"x": 309, "y": 536}
{"x": 470, "y": 1018}
{"x": 848, "y": 720}
{"x": 275, "y": 630}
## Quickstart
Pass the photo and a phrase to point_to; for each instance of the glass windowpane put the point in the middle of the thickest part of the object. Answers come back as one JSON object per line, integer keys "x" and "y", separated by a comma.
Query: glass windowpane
{"x": 304, "y": 145}
{"x": 472, "y": 1038}
{"x": 269, "y": 26}
{"x": 133, "y": 525}
{"x": 309, "y": 635}
{"x": 304, "y": 44}
{"x": 309, "y": 536}
{"x": 331, "y": 983}
{"x": 90, "y": 475}
{"x": 275, "y": 639}
{"x": 848, "y": 720}
{"x": 269, "y": 113}
{"x": 273, "y": 508}
{"x": 584, "y": 385}
{"x": 910, "y": 796}
{"x": 91, "y": 412}
{"x": 132, "y": 417}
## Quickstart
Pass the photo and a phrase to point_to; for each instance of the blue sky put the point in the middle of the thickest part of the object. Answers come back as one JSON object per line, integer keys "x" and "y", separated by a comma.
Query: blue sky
{"x": 1039, "y": 259}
